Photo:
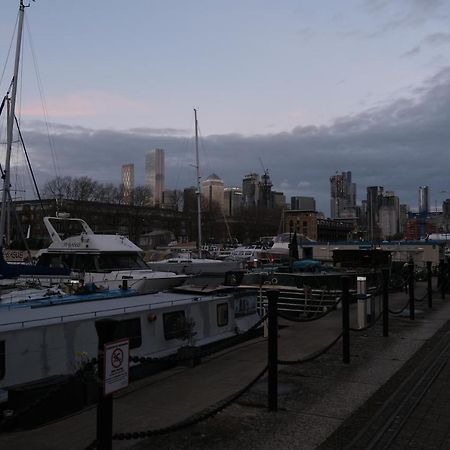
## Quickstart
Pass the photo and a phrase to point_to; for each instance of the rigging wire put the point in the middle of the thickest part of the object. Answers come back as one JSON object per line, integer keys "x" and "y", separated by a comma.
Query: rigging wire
{"x": 44, "y": 105}
{"x": 9, "y": 50}
{"x": 29, "y": 164}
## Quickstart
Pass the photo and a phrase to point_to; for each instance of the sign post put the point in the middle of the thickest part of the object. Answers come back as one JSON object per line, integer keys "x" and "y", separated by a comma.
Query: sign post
{"x": 113, "y": 364}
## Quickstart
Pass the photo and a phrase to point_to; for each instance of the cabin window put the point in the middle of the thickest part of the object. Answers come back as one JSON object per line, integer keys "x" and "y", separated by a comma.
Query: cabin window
{"x": 2, "y": 359}
{"x": 119, "y": 261}
{"x": 174, "y": 325}
{"x": 222, "y": 314}
{"x": 131, "y": 329}
{"x": 84, "y": 263}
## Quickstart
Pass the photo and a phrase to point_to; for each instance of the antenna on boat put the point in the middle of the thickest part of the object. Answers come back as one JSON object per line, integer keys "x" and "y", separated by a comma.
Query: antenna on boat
{"x": 199, "y": 212}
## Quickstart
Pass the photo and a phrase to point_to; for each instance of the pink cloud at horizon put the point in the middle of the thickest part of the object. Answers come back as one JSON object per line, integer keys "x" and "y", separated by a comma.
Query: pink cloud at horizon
{"x": 82, "y": 104}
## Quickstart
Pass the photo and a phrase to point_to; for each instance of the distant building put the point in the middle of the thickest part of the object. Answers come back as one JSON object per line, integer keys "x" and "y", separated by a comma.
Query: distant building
{"x": 303, "y": 203}
{"x": 416, "y": 228}
{"x": 424, "y": 201}
{"x": 374, "y": 195}
{"x": 154, "y": 173}
{"x": 128, "y": 183}
{"x": 389, "y": 214}
{"x": 404, "y": 210}
{"x": 250, "y": 190}
{"x": 302, "y": 222}
{"x": 334, "y": 230}
{"x": 278, "y": 200}
{"x": 173, "y": 199}
{"x": 213, "y": 191}
{"x": 190, "y": 200}
{"x": 232, "y": 201}
{"x": 343, "y": 196}
{"x": 446, "y": 209}
{"x": 264, "y": 191}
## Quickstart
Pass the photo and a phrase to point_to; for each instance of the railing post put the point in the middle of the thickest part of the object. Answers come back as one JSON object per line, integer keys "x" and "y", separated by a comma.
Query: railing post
{"x": 411, "y": 289}
{"x": 345, "y": 320}
{"x": 272, "y": 348}
{"x": 385, "y": 302}
{"x": 429, "y": 285}
{"x": 447, "y": 277}
{"x": 105, "y": 332}
{"x": 442, "y": 283}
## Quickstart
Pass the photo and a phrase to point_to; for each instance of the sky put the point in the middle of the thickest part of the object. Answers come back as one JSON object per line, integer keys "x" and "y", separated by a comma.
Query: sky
{"x": 304, "y": 89}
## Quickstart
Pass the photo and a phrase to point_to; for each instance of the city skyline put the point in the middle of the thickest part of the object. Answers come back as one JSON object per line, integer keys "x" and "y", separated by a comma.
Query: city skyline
{"x": 362, "y": 86}
{"x": 342, "y": 188}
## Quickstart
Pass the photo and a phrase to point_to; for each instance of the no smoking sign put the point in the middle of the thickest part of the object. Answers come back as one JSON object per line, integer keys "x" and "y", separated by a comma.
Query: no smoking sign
{"x": 116, "y": 365}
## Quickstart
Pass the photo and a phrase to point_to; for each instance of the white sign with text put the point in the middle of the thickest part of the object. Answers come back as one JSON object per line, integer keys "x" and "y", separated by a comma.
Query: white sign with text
{"x": 116, "y": 365}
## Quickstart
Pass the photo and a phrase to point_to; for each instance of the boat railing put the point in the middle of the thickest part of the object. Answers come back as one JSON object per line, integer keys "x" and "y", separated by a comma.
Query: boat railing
{"x": 60, "y": 318}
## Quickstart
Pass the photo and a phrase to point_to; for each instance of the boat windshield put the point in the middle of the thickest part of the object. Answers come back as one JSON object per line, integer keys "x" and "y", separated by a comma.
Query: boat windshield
{"x": 120, "y": 261}
{"x": 89, "y": 262}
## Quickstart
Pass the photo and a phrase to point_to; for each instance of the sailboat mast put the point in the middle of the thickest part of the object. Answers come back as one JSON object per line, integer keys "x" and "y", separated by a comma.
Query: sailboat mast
{"x": 199, "y": 211}
{"x": 10, "y": 125}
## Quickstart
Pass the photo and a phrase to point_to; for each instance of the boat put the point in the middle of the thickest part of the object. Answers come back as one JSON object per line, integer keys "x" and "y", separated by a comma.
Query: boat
{"x": 189, "y": 264}
{"x": 103, "y": 259}
{"x": 41, "y": 336}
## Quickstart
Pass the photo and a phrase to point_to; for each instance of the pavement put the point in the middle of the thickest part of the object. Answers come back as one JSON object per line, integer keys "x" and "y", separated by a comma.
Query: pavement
{"x": 320, "y": 402}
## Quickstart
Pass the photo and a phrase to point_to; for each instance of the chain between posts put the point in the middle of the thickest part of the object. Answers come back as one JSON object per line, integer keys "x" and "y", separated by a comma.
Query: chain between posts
{"x": 312, "y": 356}
{"x": 193, "y": 420}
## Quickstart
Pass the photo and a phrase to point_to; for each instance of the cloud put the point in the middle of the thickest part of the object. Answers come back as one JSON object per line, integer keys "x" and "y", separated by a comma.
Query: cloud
{"x": 399, "y": 145}
{"x": 82, "y": 104}
{"x": 159, "y": 131}
{"x": 437, "y": 39}
{"x": 405, "y": 14}
{"x": 413, "y": 52}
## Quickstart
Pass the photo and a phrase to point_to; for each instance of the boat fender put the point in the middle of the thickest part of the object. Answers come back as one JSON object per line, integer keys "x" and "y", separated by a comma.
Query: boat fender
{"x": 274, "y": 280}
{"x": 151, "y": 317}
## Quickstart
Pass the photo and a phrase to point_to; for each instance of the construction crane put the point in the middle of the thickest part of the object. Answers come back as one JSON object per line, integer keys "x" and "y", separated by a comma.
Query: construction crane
{"x": 266, "y": 171}
{"x": 265, "y": 180}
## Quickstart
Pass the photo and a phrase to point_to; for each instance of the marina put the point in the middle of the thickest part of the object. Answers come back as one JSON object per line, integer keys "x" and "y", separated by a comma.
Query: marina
{"x": 220, "y": 315}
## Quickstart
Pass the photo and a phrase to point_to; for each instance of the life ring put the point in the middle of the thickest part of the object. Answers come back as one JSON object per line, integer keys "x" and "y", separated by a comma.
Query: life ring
{"x": 274, "y": 280}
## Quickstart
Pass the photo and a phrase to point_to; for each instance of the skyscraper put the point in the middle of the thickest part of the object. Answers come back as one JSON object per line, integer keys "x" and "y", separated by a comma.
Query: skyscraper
{"x": 128, "y": 183}
{"x": 374, "y": 195}
{"x": 343, "y": 196}
{"x": 424, "y": 204}
{"x": 213, "y": 191}
{"x": 154, "y": 173}
{"x": 389, "y": 214}
{"x": 265, "y": 188}
{"x": 250, "y": 190}
{"x": 232, "y": 200}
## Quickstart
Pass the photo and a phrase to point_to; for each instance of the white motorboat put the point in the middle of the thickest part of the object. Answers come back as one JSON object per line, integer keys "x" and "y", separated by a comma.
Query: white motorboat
{"x": 104, "y": 259}
{"x": 189, "y": 264}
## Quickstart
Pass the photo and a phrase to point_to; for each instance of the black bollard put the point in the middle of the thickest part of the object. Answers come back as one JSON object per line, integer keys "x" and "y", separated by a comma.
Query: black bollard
{"x": 105, "y": 332}
{"x": 345, "y": 320}
{"x": 272, "y": 349}
{"x": 385, "y": 302}
{"x": 411, "y": 289}
{"x": 442, "y": 282}
{"x": 429, "y": 285}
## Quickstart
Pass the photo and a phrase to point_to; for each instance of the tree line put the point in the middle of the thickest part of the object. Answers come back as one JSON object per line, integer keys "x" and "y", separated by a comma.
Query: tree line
{"x": 86, "y": 189}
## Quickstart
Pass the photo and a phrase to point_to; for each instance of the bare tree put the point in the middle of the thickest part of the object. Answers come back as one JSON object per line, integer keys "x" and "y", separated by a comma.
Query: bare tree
{"x": 142, "y": 195}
